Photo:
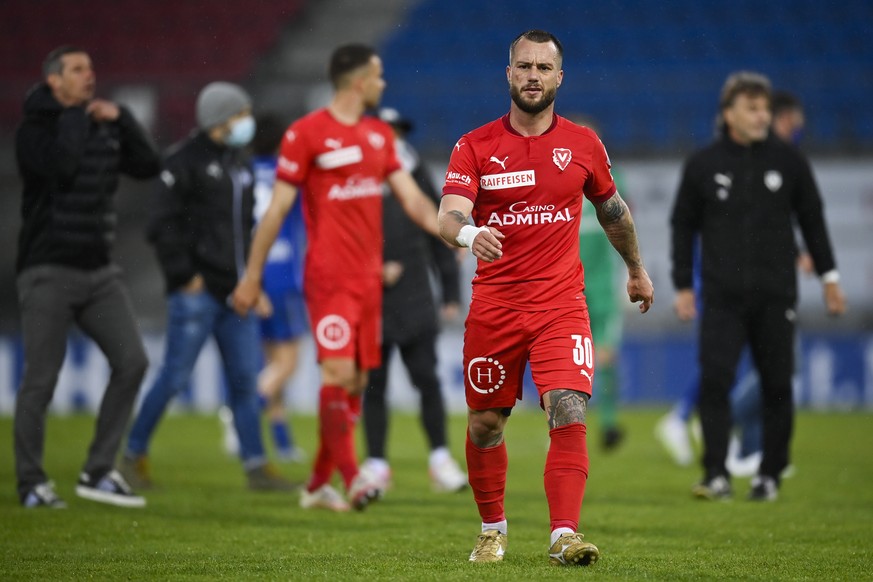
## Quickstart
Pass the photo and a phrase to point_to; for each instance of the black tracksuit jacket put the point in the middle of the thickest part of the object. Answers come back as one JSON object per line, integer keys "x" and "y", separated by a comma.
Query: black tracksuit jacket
{"x": 744, "y": 203}
{"x": 203, "y": 218}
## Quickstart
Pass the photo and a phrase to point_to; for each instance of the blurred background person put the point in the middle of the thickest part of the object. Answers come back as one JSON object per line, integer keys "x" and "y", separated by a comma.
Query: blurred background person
{"x": 71, "y": 149}
{"x": 745, "y": 448}
{"x": 740, "y": 195}
{"x": 410, "y": 322}
{"x": 201, "y": 230}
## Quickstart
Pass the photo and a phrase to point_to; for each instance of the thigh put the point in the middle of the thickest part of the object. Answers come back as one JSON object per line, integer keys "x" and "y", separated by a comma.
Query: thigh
{"x": 772, "y": 342}
{"x": 107, "y": 317}
{"x": 562, "y": 353}
{"x": 288, "y": 320}
{"x": 369, "y": 336}
{"x": 336, "y": 314}
{"x": 495, "y": 354}
{"x": 723, "y": 335}
{"x": 237, "y": 339}
{"x": 46, "y": 307}
{"x": 190, "y": 319}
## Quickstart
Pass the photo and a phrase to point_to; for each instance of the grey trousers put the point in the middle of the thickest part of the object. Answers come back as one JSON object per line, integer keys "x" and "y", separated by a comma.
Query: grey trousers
{"x": 51, "y": 298}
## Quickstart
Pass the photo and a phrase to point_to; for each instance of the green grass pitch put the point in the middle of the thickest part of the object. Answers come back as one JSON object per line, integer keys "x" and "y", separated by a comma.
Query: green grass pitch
{"x": 201, "y": 523}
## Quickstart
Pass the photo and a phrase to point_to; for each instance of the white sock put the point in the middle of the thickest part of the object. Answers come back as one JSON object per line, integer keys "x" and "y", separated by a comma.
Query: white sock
{"x": 378, "y": 466}
{"x": 499, "y": 526}
{"x": 556, "y": 533}
{"x": 438, "y": 456}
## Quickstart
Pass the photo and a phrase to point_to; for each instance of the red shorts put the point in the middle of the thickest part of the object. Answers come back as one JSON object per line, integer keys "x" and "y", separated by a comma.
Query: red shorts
{"x": 499, "y": 341}
{"x": 347, "y": 319}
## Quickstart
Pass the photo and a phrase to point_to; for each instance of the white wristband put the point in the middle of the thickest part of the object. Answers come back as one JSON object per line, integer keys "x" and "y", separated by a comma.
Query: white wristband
{"x": 468, "y": 234}
{"x": 832, "y": 276}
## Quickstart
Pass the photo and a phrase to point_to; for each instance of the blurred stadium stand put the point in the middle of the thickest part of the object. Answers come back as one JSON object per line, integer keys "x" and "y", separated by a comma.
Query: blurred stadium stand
{"x": 648, "y": 71}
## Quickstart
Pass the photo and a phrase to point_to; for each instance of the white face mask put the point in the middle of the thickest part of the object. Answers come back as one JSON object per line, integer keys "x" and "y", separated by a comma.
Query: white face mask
{"x": 241, "y": 132}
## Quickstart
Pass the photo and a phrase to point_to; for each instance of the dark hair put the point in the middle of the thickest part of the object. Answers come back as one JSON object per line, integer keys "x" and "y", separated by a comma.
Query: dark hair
{"x": 782, "y": 101}
{"x": 54, "y": 64}
{"x": 744, "y": 83}
{"x": 538, "y": 36}
{"x": 346, "y": 59}
{"x": 268, "y": 134}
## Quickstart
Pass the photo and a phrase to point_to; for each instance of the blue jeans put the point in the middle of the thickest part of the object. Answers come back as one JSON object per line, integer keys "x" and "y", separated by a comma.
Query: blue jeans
{"x": 192, "y": 317}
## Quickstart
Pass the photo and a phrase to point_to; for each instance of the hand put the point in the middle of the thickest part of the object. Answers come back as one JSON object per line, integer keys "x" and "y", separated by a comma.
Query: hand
{"x": 263, "y": 307}
{"x": 640, "y": 288}
{"x": 685, "y": 304}
{"x": 391, "y": 273}
{"x": 835, "y": 300}
{"x": 195, "y": 285}
{"x": 103, "y": 110}
{"x": 487, "y": 246}
{"x": 246, "y": 295}
{"x": 450, "y": 312}
{"x": 805, "y": 263}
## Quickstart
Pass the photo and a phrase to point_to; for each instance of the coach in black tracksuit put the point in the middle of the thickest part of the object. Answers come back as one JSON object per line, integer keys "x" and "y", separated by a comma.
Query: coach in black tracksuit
{"x": 742, "y": 195}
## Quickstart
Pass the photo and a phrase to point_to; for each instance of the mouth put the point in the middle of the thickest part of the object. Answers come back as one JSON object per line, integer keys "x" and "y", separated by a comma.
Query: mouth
{"x": 532, "y": 90}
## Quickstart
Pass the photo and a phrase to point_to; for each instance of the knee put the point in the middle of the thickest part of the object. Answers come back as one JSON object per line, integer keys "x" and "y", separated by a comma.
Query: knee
{"x": 486, "y": 428}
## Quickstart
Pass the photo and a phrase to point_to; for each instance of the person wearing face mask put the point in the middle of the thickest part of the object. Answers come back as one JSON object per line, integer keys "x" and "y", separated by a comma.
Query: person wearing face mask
{"x": 201, "y": 231}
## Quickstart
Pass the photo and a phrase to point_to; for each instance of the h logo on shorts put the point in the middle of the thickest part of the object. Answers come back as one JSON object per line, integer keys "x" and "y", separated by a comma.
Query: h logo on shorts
{"x": 485, "y": 375}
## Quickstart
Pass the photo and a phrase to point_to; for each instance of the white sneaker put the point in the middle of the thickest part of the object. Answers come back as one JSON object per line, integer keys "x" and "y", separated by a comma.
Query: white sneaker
{"x": 325, "y": 497}
{"x": 231, "y": 439}
{"x": 365, "y": 489}
{"x": 739, "y": 466}
{"x": 672, "y": 432}
{"x": 379, "y": 472}
{"x": 447, "y": 477}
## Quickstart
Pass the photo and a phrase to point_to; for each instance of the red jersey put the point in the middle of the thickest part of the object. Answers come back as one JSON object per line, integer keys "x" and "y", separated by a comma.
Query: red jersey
{"x": 530, "y": 189}
{"x": 339, "y": 170}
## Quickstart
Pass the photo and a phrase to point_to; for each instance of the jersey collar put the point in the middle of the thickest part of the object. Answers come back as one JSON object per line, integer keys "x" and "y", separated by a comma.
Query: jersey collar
{"x": 510, "y": 129}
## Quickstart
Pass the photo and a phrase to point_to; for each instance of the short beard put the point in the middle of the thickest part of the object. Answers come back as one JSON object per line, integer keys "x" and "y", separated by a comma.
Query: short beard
{"x": 532, "y": 108}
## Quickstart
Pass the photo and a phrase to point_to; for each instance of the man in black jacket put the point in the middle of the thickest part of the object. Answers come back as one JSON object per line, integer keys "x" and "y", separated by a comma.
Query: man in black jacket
{"x": 410, "y": 322}
{"x": 741, "y": 195}
{"x": 71, "y": 149}
{"x": 201, "y": 230}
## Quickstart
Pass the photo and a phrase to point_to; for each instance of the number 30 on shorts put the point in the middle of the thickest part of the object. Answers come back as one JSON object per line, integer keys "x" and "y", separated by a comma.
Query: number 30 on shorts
{"x": 583, "y": 352}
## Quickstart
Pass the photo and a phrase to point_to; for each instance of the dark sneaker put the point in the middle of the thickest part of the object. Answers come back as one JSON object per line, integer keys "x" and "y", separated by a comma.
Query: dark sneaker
{"x": 137, "y": 471}
{"x": 764, "y": 489}
{"x": 111, "y": 489}
{"x": 266, "y": 478}
{"x": 612, "y": 437}
{"x": 717, "y": 488}
{"x": 43, "y": 495}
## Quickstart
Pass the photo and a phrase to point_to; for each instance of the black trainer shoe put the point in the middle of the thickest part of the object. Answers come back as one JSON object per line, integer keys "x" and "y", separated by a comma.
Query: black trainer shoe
{"x": 43, "y": 495}
{"x": 111, "y": 489}
{"x": 764, "y": 489}
{"x": 612, "y": 437}
{"x": 716, "y": 488}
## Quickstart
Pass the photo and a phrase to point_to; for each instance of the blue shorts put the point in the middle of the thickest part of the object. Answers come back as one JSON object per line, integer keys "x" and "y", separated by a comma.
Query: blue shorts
{"x": 289, "y": 319}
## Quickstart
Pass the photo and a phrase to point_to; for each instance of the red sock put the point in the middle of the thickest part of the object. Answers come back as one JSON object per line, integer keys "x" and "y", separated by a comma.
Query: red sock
{"x": 336, "y": 433}
{"x": 565, "y": 475}
{"x": 487, "y": 476}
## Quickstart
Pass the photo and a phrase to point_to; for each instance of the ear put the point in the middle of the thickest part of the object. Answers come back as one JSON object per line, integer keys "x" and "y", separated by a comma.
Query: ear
{"x": 53, "y": 80}
{"x": 560, "y": 77}
{"x": 509, "y": 74}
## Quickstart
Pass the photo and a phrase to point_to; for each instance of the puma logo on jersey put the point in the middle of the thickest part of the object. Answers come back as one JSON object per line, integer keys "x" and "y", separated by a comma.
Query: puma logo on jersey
{"x": 458, "y": 145}
{"x": 502, "y": 162}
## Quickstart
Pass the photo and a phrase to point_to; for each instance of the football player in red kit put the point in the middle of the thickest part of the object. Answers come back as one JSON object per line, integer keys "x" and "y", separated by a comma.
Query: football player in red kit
{"x": 338, "y": 159}
{"x": 521, "y": 178}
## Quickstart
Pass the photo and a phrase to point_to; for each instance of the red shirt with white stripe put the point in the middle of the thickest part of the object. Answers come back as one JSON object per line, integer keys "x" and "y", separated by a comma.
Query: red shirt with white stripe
{"x": 339, "y": 170}
{"x": 530, "y": 188}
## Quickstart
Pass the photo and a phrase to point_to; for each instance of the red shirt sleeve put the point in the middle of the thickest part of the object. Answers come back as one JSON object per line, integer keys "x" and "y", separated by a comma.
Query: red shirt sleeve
{"x": 462, "y": 175}
{"x": 295, "y": 157}
{"x": 599, "y": 186}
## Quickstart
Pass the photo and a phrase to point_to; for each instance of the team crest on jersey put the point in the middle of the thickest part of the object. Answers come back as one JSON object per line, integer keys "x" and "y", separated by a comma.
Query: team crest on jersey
{"x": 377, "y": 140}
{"x": 333, "y": 332}
{"x": 486, "y": 375}
{"x": 773, "y": 180}
{"x": 562, "y": 157}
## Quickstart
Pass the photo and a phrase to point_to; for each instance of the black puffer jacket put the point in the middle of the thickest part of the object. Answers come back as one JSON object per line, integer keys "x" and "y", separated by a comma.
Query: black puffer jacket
{"x": 70, "y": 167}
{"x": 204, "y": 216}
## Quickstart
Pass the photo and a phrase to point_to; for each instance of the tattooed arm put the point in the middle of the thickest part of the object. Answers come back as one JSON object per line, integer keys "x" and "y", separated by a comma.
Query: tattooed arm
{"x": 618, "y": 224}
{"x": 453, "y": 214}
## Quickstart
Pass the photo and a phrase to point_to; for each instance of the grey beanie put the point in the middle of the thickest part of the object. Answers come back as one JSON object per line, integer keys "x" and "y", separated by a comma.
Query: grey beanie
{"x": 218, "y": 102}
